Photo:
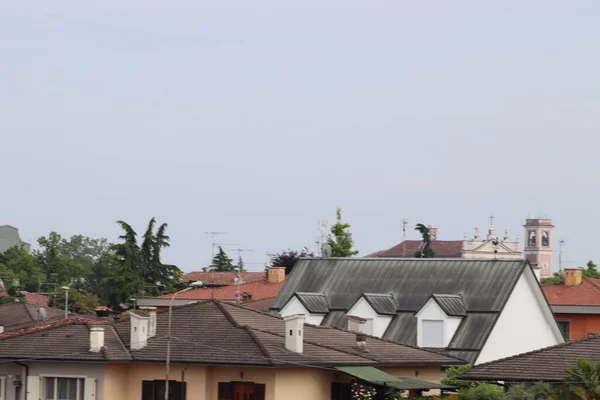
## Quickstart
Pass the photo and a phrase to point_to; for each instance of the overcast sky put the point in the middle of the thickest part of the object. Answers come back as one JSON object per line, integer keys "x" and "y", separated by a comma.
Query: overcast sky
{"x": 258, "y": 119}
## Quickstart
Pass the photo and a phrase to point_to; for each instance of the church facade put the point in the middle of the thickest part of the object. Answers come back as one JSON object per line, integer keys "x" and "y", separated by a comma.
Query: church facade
{"x": 537, "y": 246}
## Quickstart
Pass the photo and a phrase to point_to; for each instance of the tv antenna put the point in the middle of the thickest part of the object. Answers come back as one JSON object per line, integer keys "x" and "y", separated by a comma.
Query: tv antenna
{"x": 323, "y": 225}
{"x": 404, "y": 224}
{"x": 214, "y": 242}
{"x": 560, "y": 253}
{"x": 238, "y": 279}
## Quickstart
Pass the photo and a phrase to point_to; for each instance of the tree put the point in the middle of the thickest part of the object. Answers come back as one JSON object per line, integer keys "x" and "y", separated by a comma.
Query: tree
{"x": 55, "y": 261}
{"x": 240, "y": 264}
{"x": 554, "y": 279}
{"x": 453, "y": 374}
{"x": 288, "y": 258}
{"x": 425, "y": 251}
{"x": 484, "y": 391}
{"x": 221, "y": 262}
{"x": 583, "y": 379}
{"x": 534, "y": 391}
{"x": 591, "y": 270}
{"x": 79, "y": 303}
{"x": 20, "y": 270}
{"x": 340, "y": 239}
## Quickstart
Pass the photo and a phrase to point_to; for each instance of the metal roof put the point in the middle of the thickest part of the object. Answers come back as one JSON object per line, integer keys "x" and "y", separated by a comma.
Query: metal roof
{"x": 315, "y": 303}
{"x": 378, "y": 377}
{"x": 452, "y": 305}
{"x": 383, "y": 304}
{"x": 483, "y": 287}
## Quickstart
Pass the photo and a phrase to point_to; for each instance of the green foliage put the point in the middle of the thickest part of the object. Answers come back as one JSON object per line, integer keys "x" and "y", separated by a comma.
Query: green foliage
{"x": 484, "y": 391}
{"x": 17, "y": 265}
{"x": 55, "y": 261}
{"x": 583, "y": 379}
{"x": 221, "y": 262}
{"x": 340, "y": 239}
{"x": 79, "y": 303}
{"x": 426, "y": 251}
{"x": 240, "y": 264}
{"x": 591, "y": 270}
{"x": 554, "y": 279}
{"x": 452, "y": 377}
{"x": 289, "y": 257}
{"x": 535, "y": 391}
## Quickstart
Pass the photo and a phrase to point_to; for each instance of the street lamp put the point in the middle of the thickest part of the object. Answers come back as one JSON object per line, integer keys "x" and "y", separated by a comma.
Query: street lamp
{"x": 168, "y": 362}
{"x": 66, "y": 289}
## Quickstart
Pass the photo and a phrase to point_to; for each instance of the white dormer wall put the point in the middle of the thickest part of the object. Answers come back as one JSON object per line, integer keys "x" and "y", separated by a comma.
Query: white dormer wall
{"x": 376, "y": 324}
{"x": 526, "y": 323}
{"x": 294, "y": 307}
{"x": 139, "y": 331}
{"x": 431, "y": 311}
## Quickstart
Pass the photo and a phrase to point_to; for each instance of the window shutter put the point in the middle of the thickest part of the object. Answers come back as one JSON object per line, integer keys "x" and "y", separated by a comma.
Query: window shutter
{"x": 148, "y": 390}
{"x": 89, "y": 389}
{"x": 224, "y": 391}
{"x": 33, "y": 388}
{"x": 259, "y": 391}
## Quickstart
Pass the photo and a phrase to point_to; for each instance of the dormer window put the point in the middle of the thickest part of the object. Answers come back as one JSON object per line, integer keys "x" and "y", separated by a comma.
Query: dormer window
{"x": 377, "y": 309}
{"x": 313, "y": 305}
{"x": 438, "y": 320}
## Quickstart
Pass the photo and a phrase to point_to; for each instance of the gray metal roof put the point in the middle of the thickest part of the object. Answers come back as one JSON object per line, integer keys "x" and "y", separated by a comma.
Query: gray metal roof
{"x": 383, "y": 304}
{"x": 452, "y": 305}
{"x": 315, "y": 303}
{"x": 483, "y": 287}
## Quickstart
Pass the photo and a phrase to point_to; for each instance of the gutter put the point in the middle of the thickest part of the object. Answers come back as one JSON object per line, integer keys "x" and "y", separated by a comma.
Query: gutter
{"x": 23, "y": 379}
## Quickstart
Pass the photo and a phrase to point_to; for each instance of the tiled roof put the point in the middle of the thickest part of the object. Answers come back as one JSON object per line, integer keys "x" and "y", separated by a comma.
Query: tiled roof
{"x": 262, "y": 305}
{"x": 35, "y": 298}
{"x": 547, "y": 364}
{"x": 408, "y": 248}
{"x": 212, "y": 332}
{"x": 222, "y": 278}
{"x": 259, "y": 290}
{"x": 585, "y": 294}
{"x": 20, "y": 315}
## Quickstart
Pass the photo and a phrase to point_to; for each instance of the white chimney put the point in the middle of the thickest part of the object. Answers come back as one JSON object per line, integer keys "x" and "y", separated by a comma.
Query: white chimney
{"x": 361, "y": 342}
{"x": 96, "y": 338}
{"x": 1, "y": 328}
{"x": 139, "y": 330}
{"x": 152, "y": 322}
{"x": 356, "y": 324}
{"x": 294, "y": 332}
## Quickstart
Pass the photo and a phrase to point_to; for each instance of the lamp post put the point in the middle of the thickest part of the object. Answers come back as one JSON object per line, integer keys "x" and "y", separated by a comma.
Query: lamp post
{"x": 66, "y": 289}
{"x": 168, "y": 362}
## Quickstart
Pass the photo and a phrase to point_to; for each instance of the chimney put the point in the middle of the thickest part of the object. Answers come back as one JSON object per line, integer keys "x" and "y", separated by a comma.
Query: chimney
{"x": 326, "y": 251}
{"x": 152, "y": 321}
{"x": 102, "y": 312}
{"x": 361, "y": 342}
{"x": 433, "y": 232}
{"x": 96, "y": 338}
{"x": 294, "y": 330}
{"x": 1, "y": 328}
{"x": 592, "y": 335}
{"x": 573, "y": 276}
{"x": 139, "y": 330}
{"x": 204, "y": 269}
{"x": 356, "y": 324}
{"x": 246, "y": 296}
{"x": 276, "y": 275}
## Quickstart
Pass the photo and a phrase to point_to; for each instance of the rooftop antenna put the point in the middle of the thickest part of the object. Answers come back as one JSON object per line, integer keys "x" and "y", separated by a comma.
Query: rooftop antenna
{"x": 404, "y": 224}
{"x": 214, "y": 242}
{"x": 560, "y": 253}
{"x": 41, "y": 315}
{"x": 323, "y": 225}
{"x": 238, "y": 279}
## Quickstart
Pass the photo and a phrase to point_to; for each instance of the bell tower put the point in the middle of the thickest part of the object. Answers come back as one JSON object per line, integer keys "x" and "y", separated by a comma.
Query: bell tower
{"x": 538, "y": 244}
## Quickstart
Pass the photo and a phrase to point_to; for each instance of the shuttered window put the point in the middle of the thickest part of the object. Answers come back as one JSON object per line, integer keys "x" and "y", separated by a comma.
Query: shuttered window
{"x": 155, "y": 390}
{"x": 63, "y": 389}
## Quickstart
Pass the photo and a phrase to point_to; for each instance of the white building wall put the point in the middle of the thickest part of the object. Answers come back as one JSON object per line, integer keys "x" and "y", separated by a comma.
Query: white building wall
{"x": 294, "y": 306}
{"x": 433, "y": 312}
{"x": 376, "y": 324}
{"x": 525, "y": 324}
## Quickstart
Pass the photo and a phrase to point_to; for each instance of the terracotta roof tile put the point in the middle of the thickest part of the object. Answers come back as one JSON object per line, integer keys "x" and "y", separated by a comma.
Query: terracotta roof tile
{"x": 408, "y": 248}
{"x": 259, "y": 291}
{"x": 585, "y": 294}
{"x": 223, "y": 278}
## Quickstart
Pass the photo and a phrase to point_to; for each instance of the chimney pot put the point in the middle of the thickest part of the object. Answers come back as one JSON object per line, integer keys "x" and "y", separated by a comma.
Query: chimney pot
{"x": 573, "y": 276}
{"x": 294, "y": 332}
{"x": 276, "y": 275}
{"x": 592, "y": 335}
{"x": 96, "y": 338}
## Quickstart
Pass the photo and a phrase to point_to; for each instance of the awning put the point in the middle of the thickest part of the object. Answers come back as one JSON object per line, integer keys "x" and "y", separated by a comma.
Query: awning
{"x": 378, "y": 377}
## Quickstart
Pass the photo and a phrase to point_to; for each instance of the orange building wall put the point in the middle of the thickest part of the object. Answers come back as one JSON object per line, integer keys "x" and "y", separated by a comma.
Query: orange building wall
{"x": 581, "y": 324}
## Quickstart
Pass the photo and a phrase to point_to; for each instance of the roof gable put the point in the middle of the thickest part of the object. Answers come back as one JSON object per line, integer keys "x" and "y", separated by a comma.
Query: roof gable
{"x": 452, "y": 305}
{"x": 315, "y": 303}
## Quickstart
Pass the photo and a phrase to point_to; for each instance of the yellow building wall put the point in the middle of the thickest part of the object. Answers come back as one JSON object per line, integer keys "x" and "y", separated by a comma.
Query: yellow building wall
{"x": 240, "y": 374}
{"x": 302, "y": 384}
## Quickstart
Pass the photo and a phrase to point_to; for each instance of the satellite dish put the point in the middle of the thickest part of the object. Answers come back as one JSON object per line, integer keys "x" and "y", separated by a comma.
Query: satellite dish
{"x": 42, "y": 315}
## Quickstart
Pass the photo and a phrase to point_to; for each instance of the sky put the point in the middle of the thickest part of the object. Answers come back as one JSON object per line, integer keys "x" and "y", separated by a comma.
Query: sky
{"x": 259, "y": 118}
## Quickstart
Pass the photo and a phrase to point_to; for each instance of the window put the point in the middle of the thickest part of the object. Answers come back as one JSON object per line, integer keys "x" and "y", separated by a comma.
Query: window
{"x": 155, "y": 390}
{"x": 63, "y": 389}
{"x": 432, "y": 333}
{"x": 241, "y": 391}
{"x": 340, "y": 391}
{"x": 565, "y": 328}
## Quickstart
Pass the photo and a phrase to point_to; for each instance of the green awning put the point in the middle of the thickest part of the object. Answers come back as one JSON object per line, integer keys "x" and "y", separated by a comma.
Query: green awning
{"x": 378, "y": 377}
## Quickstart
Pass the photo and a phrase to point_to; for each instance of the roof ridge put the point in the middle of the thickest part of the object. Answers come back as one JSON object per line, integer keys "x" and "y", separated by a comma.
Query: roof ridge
{"x": 260, "y": 345}
{"x": 540, "y": 350}
{"x": 399, "y": 344}
{"x": 120, "y": 340}
{"x": 226, "y": 313}
{"x": 319, "y": 345}
{"x": 50, "y": 325}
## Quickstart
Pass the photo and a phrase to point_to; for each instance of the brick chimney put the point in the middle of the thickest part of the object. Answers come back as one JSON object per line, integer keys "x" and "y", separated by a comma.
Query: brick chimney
{"x": 276, "y": 275}
{"x": 294, "y": 332}
{"x": 573, "y": 276}
{"x": 96, "y": 338}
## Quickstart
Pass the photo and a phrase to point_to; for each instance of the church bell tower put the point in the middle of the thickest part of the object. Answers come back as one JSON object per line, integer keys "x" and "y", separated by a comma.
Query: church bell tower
{"x": 538, "y": 244}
